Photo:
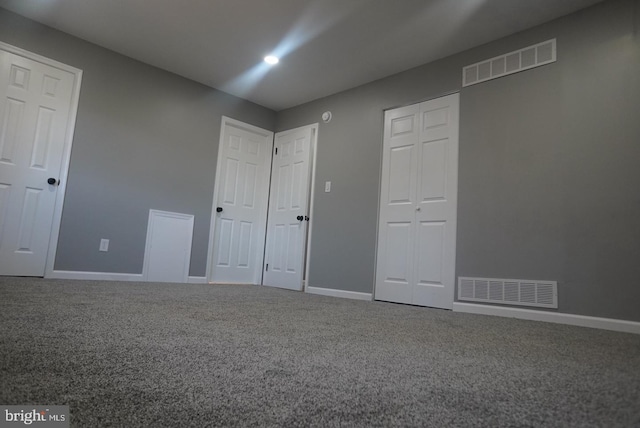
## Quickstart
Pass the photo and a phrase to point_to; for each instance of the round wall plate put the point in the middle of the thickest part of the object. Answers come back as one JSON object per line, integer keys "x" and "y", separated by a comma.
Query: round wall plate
{"x": 326, "y": 116}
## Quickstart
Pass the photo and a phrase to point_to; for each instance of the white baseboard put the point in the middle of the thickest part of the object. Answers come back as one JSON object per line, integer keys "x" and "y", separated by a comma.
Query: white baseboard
{"x": 102, "y": 276}
{"x": 339, "y": 293}
{"x": 108, "y": 276}
{"x": 555, "y": 317}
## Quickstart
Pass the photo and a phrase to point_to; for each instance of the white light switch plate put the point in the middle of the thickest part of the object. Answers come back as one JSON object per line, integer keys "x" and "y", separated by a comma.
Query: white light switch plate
{"x": 104, "y": 245}
{"x": 327, "y": 186}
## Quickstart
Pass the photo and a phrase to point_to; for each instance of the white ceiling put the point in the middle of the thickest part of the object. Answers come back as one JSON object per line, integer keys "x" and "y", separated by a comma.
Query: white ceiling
{"x": 326, "y": 46}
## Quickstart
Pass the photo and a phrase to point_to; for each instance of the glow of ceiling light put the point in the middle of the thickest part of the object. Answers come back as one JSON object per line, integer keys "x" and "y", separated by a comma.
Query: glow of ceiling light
{"x": 273, "y": 60}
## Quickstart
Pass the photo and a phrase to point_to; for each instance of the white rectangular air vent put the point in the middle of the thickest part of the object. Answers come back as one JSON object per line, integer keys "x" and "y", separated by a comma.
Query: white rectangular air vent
{"x": 509, "y": 291}
{"x": 513, "y": 62}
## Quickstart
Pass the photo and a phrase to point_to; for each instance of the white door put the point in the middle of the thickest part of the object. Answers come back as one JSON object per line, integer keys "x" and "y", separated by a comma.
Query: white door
{"x": 417, "y": 229}
{"x": 240, "y": 203}
{"x": 167, "y": 254}
{"x": 394, "y": 279}
{"x": 36, "y": 101}
{"x": 288, "y": 209}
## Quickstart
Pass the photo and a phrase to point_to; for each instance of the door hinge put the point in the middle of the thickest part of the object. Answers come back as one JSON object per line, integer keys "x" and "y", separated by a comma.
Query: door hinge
{"x": 276, "y": 150}
{"x": 267, "y": 269}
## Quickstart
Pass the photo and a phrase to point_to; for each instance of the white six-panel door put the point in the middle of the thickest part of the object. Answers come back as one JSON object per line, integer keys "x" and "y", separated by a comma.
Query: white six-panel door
{"x": 36, "y": 103}
{"x": 418, "y": 204}
{"x": 394, "y": 278}
{"x": 240, "y": 203}
{"x": 288, "y": 209}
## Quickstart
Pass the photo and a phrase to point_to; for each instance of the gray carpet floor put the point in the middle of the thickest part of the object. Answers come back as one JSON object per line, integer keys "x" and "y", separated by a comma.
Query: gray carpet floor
{"x": 177, "y": 355}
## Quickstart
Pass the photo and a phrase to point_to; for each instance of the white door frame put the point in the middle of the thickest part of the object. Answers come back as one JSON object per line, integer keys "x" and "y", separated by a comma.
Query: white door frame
{"x": 263, "y": 218}
{"x": 66, "y": 151}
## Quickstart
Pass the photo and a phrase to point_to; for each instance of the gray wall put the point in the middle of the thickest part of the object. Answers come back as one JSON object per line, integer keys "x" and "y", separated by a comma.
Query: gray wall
{"x": 549, "y": 176}
{"x": 144, "y": 139}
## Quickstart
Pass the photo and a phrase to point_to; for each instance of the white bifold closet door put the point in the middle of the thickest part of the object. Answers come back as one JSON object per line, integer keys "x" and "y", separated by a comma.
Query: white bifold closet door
{"x": 418, "y": 204}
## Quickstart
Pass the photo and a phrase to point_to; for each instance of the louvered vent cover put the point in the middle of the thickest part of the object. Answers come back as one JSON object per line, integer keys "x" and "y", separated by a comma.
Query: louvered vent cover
{"x": 509, "y": 291}
{"x": 513, "y": 62}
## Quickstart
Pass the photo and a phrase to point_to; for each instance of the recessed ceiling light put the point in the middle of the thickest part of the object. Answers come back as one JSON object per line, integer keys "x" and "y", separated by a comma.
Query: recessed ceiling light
{"x": 271, "y": 59}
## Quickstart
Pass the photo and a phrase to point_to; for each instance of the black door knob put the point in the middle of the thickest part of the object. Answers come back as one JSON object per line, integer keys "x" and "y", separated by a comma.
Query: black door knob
{"x": 219, "y": 209}
{"x": 52, "y": 180}
{"x": 300, "y": 218}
